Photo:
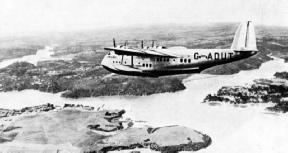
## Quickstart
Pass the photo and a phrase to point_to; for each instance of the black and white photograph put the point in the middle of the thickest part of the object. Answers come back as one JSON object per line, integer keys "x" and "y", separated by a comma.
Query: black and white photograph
{"x": 143, "y": 76}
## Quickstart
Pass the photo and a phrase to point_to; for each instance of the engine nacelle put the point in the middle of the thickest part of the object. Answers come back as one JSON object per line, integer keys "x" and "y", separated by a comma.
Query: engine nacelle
{"x": 160, "y": 47}
{"x": 121, "y": 46}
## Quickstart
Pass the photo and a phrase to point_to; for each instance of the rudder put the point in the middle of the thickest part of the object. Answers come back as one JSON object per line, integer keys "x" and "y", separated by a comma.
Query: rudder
{"x": 245, "y": 39}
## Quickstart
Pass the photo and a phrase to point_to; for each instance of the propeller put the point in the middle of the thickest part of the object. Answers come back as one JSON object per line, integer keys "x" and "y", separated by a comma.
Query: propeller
{"x": 142, "y": 45}
{"x": 126, "y": 43}
{"x": 114, "y": 43}
{"x": 153, "y": 43}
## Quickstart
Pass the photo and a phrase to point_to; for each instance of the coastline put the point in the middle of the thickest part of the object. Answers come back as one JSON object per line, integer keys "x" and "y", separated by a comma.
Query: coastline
{"x": 213, "y": 120}
{"x": 102, "y": 127}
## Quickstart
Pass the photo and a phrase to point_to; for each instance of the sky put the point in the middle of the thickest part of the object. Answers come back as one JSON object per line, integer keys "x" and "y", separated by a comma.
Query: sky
{"x": 24, "y": 16}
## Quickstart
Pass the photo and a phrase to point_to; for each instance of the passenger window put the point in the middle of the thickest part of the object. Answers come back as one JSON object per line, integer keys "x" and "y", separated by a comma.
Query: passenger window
{"x": 146, "y": 65}
{"x": 189, "y": 60}
{"x": 167, "y": 59}
{"x": 113, "y": 61}
{"x": 143, "y": 65}
{"x": 150, "y": 65}
{"x": 181, "y": 60}
{"x": 185, "y": 60}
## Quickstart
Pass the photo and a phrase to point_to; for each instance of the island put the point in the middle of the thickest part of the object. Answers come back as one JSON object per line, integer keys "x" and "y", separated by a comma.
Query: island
{"x": 18, "y": 51}
{"x": 78, "y": 79}
{"x": 74, "y": 127}
{"x": 262, "y": 91}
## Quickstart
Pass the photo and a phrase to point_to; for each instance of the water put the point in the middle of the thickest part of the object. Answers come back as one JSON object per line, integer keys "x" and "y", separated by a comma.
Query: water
{"x": 41, "y": 55}
{"x": 233, "y": 129}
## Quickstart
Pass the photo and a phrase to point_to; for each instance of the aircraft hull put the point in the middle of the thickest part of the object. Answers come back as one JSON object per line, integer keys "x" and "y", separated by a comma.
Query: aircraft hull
{"x": 173, "y": 69}
{"x": 153, "y": 73}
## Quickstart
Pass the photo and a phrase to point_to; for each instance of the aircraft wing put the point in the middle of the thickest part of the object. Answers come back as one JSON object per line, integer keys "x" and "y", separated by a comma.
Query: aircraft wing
{"x": 131, "y": 51}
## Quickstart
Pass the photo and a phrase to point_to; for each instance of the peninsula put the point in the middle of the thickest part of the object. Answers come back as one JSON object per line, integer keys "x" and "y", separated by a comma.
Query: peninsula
{"x": 84, "y": 129}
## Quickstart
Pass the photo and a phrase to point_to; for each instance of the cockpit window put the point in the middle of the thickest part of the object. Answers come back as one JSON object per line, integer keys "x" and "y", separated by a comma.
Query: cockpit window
{"x": 109, "y": 53}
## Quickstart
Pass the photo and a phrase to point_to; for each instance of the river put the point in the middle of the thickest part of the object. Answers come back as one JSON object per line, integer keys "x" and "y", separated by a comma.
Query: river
{"x": 245, "y": 128}
{"x": 41, "y": 55}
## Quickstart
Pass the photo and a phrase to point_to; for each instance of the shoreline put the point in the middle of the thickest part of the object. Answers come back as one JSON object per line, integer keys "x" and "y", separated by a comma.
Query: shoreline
{"x": 13, "y": 133}
{"x": 186, "y": 82}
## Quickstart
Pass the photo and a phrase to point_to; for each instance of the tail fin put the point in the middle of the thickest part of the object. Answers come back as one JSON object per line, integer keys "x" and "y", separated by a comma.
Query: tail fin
{"x": 244, "y": 39}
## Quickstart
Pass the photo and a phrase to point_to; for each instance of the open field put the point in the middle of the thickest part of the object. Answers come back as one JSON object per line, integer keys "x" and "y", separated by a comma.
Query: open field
{"x": 73, "y": 129}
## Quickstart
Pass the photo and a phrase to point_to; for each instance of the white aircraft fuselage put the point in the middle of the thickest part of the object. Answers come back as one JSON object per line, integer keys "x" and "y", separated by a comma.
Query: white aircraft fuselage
{"x": 159, "y": 61}
{"x": 190, "y": 61}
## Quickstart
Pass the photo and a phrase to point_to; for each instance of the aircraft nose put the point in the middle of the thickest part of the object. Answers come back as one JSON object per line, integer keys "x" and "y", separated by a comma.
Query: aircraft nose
{"x": 104, "y": 61}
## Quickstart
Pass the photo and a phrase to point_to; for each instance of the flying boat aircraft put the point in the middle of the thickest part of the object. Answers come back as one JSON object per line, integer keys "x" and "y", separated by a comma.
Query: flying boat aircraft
{"x": 158, "y": 61}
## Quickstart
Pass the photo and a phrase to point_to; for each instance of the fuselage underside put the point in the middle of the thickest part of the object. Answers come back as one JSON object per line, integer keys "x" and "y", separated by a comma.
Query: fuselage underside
{"x": 185, "y": 61}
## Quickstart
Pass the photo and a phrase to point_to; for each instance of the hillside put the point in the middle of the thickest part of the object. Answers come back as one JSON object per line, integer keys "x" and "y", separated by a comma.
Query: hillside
{"x": 78, "y": 129}
{"x": 124, "y": 85}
